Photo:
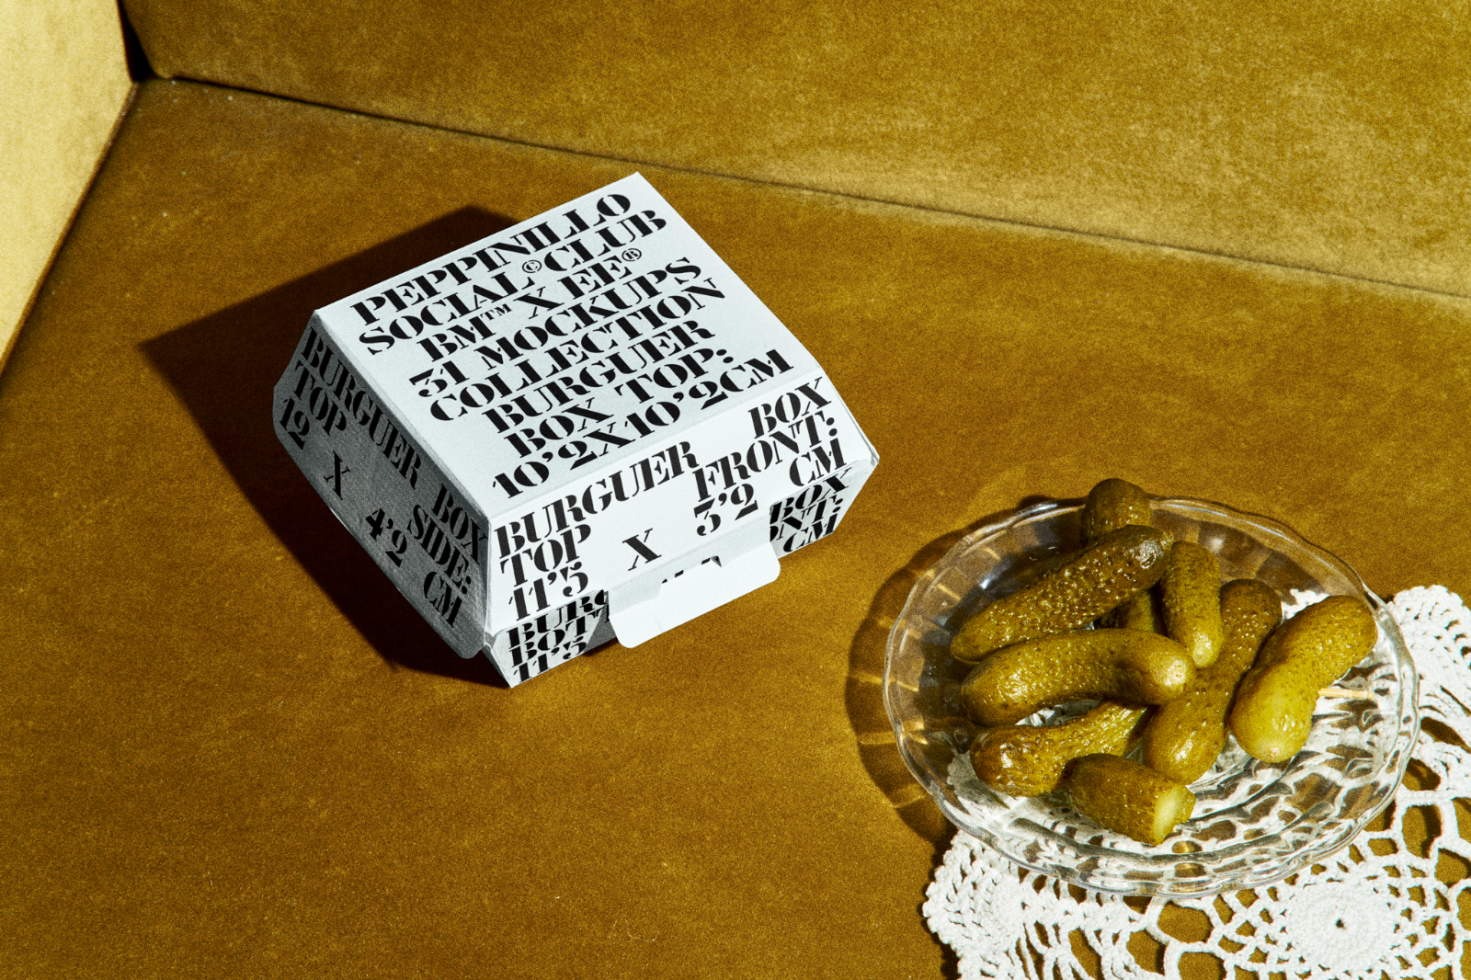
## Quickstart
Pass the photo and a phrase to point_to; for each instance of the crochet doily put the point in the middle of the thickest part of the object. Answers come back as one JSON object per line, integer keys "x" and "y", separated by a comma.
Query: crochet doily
{"x": 1376, "y": 908}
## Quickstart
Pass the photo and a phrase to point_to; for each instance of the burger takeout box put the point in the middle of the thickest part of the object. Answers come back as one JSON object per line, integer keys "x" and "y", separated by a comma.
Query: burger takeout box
{"x": 582, "y": 427}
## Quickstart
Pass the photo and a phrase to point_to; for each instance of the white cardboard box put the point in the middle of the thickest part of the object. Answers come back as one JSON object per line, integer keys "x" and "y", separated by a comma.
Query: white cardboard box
{"x": 580, "y": 427}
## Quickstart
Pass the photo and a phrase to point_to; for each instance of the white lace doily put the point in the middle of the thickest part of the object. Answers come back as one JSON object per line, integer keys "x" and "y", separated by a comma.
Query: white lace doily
{"x": 1376, "y": 908}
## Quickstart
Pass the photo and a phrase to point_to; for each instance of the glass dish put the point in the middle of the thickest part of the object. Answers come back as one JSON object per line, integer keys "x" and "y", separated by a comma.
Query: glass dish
{"x": 1253, "y": 823}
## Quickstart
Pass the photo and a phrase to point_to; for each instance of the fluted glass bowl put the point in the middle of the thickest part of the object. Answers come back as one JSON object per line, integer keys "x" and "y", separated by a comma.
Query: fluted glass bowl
{"x": 1253, "y": 823}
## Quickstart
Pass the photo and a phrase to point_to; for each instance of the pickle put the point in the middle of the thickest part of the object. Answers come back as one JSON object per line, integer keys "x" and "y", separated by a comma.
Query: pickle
{"x": 1190, "y": 597}
{"x": 1129, "y": 665}
{"x": 1111, "y": 570}
{"x": 1128, "y": 798}
{"x": 1185, "y": 736}
{"x": 1273, "y": 712}
{"x": 1028, "y": 760}
{"x": 1139, "y": 613}
{"x": 1113, "y": 504}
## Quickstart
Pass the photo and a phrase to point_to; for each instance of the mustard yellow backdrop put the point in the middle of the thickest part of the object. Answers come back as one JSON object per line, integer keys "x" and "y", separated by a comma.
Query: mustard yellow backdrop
{"x": 232, "y": 750}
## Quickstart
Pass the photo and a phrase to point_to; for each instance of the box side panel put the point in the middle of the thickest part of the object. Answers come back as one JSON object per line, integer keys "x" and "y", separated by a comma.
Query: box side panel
{"x": 383, "y": 486}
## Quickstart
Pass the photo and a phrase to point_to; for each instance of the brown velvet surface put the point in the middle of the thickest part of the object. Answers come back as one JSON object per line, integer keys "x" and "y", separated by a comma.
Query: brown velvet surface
{"x": 231, "y": 748}
{"x": 1329, "y": 136}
